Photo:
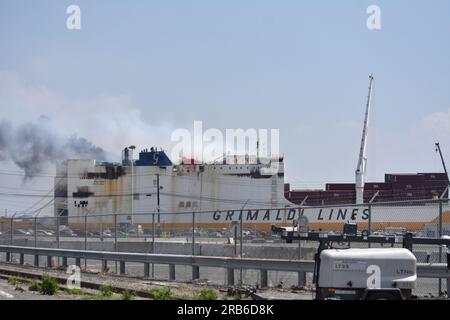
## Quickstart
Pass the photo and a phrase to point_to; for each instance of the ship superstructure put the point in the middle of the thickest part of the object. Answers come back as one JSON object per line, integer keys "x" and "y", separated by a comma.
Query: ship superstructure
{"x": 86, "y": 187}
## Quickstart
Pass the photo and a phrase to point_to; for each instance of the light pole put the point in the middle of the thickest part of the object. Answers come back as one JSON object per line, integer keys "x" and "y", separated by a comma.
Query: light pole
{"x": 132, "y": 182}
{"x": 12, "y": 227}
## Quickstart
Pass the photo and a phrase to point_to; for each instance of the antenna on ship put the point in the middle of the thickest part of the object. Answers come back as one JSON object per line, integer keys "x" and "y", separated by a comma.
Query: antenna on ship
{"x": 257, "y": 151}
{"x": 362, "y": 160}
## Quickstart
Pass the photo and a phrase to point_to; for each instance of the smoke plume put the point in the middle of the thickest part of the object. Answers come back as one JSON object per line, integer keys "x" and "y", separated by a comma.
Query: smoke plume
{"x": 32, "y": 145}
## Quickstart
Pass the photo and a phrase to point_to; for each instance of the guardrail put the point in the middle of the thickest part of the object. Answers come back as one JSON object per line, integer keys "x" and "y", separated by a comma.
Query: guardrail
{"x": 228, "y": 263}
{"x": 424, "y": 270}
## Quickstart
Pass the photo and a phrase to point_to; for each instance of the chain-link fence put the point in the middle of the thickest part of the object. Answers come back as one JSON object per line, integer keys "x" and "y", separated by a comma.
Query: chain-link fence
{"x": 232, "y": 233}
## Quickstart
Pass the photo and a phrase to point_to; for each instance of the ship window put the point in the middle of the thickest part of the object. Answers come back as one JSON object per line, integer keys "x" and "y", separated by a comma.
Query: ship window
{"x": 194, "y": 204}
{"x": 336, "y": 194}
{"x": 409, "y": 194}
{"x": 136, "y": 196}
{"x": 375, "y": 186}
{"x": 188, "y": 204}
{"x": 181, "y": 204}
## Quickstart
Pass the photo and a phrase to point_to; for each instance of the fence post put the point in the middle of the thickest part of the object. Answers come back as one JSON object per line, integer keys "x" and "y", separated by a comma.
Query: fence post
{"x": 263, "y": 274}
{"x": 171, "y": 272}
{"x": 104, "y": 265}
{"x": 153, "y": 243}
{"x": 146, "y": 270}
{"x": 57, "y": 231}
{"x": 115, "y": 239}
{"x": 301, "y": 278}
{"x": 195, "y": 272}
{"x": 440, "y": 247}
{"x": 369, "y": 222}
{"x": 195, "y": 269}
{"x": 85, "y": 239}
{"x": 35, "y": 232}
{"x": 12, "y": 230}
{"x": 193, "y": 233}
{"x": 240, "y": 247}
{"x": 9, "y": 257}
{"x": 230, "y": 277}
{"x": 122, "y": 267}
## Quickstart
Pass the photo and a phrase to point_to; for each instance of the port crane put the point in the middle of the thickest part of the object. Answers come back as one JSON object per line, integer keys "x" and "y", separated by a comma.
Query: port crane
{"x": 362, "y": 160}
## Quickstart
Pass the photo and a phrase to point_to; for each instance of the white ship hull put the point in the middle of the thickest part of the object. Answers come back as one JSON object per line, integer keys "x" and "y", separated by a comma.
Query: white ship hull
{"x": 218, "y": 193}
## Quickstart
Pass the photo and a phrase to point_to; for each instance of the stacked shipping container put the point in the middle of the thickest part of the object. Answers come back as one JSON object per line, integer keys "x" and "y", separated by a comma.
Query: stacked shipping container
{"x": 396, "y": 187}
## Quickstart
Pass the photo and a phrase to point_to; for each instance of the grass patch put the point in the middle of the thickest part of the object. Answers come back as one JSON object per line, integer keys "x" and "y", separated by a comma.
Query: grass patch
{"x": 127, "y": 295}
{"x": 35, "y": 286}
{"x": 13, "y": 280}
{"x": 162, "y": 294}
{"x": 74, "y": 291}
{"x": 206, "y": 294}
{"x": 49, "y": 285}
{"x": 94, "y": 296}
{"x": 106, "y": 291}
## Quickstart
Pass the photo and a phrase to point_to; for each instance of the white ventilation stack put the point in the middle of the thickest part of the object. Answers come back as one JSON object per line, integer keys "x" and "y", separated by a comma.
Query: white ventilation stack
{"x": 362, "y": 160}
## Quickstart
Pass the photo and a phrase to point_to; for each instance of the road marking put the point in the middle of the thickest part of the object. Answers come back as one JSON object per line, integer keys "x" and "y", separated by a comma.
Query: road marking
{"x": 6, "y": 294}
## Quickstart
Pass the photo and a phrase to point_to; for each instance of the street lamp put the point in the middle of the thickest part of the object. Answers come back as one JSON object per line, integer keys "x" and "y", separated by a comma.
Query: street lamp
{"x": 132, "y": 182}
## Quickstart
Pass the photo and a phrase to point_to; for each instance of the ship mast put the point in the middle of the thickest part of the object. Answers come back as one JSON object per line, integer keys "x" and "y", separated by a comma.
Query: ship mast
{"x": 362, "y": 160}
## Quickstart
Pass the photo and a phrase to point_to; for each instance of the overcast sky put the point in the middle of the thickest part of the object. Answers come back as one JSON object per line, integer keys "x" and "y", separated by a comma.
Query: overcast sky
{"x": 137, "y": 70}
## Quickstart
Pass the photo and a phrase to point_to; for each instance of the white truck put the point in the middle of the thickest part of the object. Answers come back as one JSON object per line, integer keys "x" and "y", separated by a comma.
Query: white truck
{"x": 365, "y": 274}
{"x": 345, "y": 273}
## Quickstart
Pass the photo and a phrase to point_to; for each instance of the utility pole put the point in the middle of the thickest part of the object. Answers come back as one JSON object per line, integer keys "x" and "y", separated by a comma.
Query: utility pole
{"x": 362, "y": 160}
{"x": 158, "y": 203}
{"x": 438, "y": 149}
{"x": 132, "y": 183}
{"x": 257, "y": 151}
{"x": 157, "y": 195}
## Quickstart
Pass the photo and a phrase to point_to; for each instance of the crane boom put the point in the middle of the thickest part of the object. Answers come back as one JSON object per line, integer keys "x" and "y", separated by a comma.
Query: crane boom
{"x": 361, "y": 166}
{"x": 438, "y": 149}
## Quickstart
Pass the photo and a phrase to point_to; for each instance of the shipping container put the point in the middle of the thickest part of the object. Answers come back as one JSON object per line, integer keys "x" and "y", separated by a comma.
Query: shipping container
{"x": 340, "y": 186}
{"x": 406, "y": 177}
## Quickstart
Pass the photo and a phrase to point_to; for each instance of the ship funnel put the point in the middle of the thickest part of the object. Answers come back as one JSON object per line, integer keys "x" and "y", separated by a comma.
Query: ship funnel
{"x": 125, "y": 156}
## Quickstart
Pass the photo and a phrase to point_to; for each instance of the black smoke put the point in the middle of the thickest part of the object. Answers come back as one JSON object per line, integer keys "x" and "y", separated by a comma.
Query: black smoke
{"x": 33, "y": 145}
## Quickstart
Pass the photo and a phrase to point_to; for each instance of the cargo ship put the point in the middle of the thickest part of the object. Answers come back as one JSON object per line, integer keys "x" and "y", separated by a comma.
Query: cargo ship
{"x": 235, "y": 188}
